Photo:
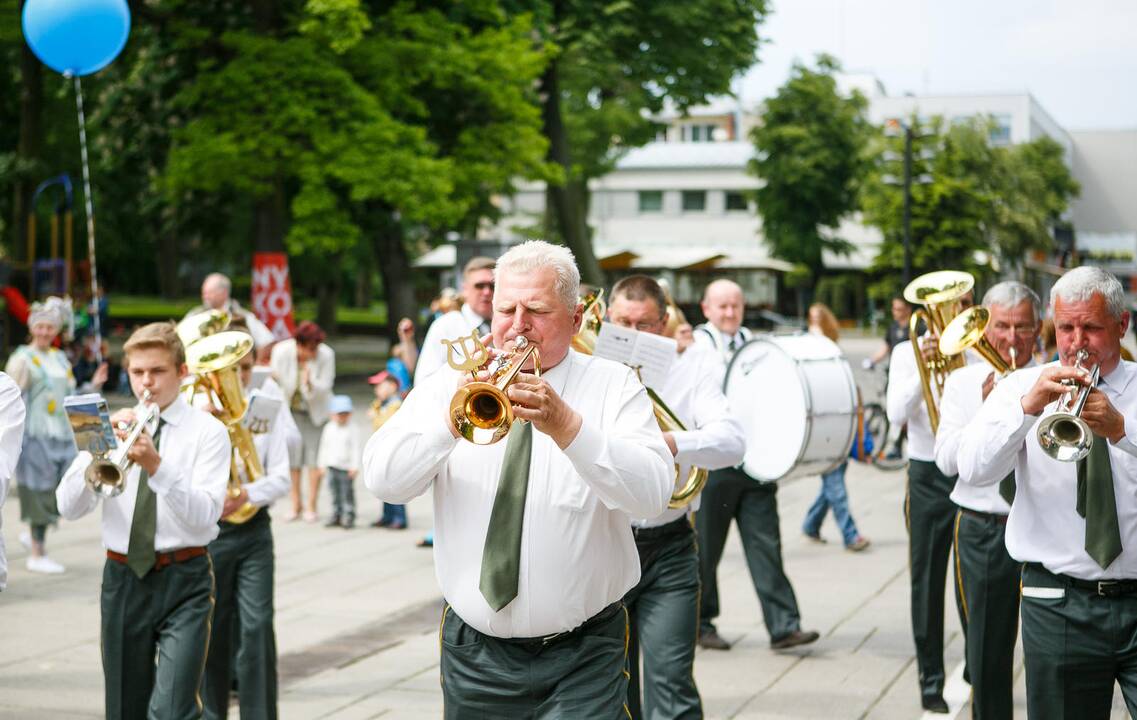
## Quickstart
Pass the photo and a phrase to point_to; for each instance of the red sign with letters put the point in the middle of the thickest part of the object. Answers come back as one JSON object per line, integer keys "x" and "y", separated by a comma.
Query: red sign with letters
{"x": 272, "y": 293}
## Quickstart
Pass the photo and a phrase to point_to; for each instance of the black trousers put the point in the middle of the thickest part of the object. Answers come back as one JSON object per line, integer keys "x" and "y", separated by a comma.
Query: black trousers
{"x": 930, "y": 517}
{"x": 1076, "y": 645}
{"x": 155, "y": 637}
{"x": 581, "y": 675}
{"x": 987, "y": 596}
{"x": 243, "y": 621}
{"x": 663, "y": 611}
{"x": 729, "y": 495}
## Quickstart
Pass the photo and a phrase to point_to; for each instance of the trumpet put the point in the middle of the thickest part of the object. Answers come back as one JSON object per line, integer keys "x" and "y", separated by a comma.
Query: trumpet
{"x": 481, "y": 411}
{"x": 1064, "y": 435}
{"x": 940, "y": 293}
{"x": 107, "y": 472}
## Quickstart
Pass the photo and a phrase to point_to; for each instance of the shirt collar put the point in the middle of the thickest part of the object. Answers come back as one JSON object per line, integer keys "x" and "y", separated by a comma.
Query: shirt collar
{"x": 1120, "y": 377}
{"x": 475, "y": 320}
{"x": 176, "y": 411}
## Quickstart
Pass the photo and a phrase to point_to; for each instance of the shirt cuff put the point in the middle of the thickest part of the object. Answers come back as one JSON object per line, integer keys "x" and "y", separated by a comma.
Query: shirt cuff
{"x": 1127, "y": 443}
{"x": 586, "y": 447}
{"x": 685, "y": 441}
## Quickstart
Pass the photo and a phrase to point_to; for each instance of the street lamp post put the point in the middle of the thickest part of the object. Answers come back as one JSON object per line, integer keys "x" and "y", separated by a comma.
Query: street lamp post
{"x": 893, "y": 128}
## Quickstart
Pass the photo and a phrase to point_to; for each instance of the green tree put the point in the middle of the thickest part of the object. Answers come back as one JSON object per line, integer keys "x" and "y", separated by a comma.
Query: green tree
{"x": 811, "y": 160}
{"x": 982, "y": 201}
{"x": 615, "y": 64}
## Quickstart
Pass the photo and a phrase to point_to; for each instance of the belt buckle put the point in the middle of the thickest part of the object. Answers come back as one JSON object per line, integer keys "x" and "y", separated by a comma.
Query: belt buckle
{"x": 1108, "y": 588}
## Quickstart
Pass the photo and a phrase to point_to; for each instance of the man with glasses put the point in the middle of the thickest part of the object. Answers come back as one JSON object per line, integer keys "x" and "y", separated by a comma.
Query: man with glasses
{"x": 986, "y": 577}
{"x": 476, "y": 313}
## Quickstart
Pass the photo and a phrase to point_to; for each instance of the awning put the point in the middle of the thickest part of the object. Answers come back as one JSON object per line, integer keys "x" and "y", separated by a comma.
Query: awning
{"x": 442, "y": 257}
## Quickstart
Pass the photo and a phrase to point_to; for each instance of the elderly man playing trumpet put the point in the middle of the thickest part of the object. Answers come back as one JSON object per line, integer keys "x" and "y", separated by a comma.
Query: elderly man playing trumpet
{"x": 986, "y": 577}
{"x": 1073, "y": 523}
{"x": 534, "y": 549}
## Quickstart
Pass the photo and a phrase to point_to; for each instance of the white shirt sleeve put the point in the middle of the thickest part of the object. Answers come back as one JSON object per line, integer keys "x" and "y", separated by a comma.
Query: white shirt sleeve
{"x": 276, "y": 481}
{"x": 990, "y": 443}
{"x": 432, "y": 355}
{"x": 72, "y": 496}
{"x": 11, "y": 440}
{"x": 953, "y": 418}
{"x": 904, "y": 387}
{"x": 715, "y": 439}
{"x": 196, "y": 494}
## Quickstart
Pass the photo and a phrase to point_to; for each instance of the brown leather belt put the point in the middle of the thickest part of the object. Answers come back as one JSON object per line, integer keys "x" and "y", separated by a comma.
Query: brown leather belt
{"x": 163, "y": 559}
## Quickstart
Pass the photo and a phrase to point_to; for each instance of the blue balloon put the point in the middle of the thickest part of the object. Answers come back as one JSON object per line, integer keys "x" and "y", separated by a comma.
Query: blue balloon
{"x": 76, "y": 37}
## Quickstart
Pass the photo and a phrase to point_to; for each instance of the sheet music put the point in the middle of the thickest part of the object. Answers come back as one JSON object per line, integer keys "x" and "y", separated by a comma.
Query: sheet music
{"x": 652, "y": 354}
{"x": 262, "y": 413}
{"x": 90, "y": 422}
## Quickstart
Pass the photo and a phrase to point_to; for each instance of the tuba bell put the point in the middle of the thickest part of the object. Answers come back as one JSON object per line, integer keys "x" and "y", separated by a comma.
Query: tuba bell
{"x": 940, "y": 293}
{"x": 214, "y": 360}
{"x": 106, "y": 475}
{"x": 1064, "y": 435}
{"x": 481, "y": 411}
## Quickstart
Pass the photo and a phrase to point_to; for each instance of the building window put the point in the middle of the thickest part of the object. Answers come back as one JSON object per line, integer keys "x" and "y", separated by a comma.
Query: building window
{"x": 696, "y": 133}
{"x": 1001, "y": 132}
{"x": 651, "y": 201}
{"x": 736, "y": 200}
{"x": 694, "y": 200}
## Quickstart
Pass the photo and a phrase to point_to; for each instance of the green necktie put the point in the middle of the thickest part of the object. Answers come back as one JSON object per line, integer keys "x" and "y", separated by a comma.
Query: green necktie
{"x": 501, "y": 556}
{"x": 140, "y": 555}
{"x": 1007, "y": 488}
{"x": 1097, "y": 504}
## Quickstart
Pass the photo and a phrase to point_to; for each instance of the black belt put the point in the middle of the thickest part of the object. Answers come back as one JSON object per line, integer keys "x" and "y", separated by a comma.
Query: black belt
{"x": 1103, "y": 588}
{"x": 989, "y": 517}
{"x": 540, "y": 643}
{"x": 678, "y": 526}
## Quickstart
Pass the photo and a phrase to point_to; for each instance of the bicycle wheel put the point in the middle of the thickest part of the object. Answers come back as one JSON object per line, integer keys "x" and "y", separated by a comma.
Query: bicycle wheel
{"x": 876, "y": 424}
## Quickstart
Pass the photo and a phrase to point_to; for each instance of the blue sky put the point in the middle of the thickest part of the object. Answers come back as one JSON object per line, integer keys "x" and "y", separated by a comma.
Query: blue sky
{"x": 1077, "y": 57}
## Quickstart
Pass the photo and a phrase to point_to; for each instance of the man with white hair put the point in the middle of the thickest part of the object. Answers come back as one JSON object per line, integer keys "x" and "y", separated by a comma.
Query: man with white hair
{"x": 1073, "y": 524}
{"x": 731, "y": 494}
{"x": 986, "y": 577}
{"x": 534, "y": 548}
{"x": 216, "y": 292}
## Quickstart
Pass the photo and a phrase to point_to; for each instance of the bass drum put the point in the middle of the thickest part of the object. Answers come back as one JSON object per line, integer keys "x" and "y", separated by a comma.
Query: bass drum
{"x": 796, "y": 399}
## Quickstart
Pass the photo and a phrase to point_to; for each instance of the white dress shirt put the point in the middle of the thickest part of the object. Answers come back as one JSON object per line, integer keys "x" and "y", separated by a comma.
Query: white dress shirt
{"x": 449, "y": 326}
{"x": 714, "y": 439}
{"x": 284, "y": 419}
{"x": 1044, "y": 526}
{"x": 272, "y": 448}
{"x": 577, "y": 551}
{"x": 339, "y": 446}
{"x": 321, "y": 378}
{"x": 905, "y": 402}
{"x": 190, "y": 484}
{"x": 11, "y": 440}
{"x": 707, "y": 335}
{"x": 963, "y": 396}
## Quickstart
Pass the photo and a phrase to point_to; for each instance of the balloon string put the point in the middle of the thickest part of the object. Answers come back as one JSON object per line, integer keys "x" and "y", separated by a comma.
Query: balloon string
{"x": 90, "y": 221}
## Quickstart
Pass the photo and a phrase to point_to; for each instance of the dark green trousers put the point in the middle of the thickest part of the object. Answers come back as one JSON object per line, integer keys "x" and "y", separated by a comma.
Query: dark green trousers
{"x": 663, "y": 612}
{"x": 1075, "y": 647}
{"x": 155, "y": 636}
{"x": 930, "y": 517}
{"x": 581, "y": 675}
{"x": 243, "y": 622}
{"x": 987, "y": 596}
{"x": 732, "y": 495}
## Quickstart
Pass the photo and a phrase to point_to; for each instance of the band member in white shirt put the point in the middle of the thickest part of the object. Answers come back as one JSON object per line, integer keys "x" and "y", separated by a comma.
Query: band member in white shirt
{"x": 664, "y": 606}
{"x": 732, "y": 495}
{"x": 11, "y": 436}
{"x": 986, "y": 576}
{"x": 475, "y": 314}
{"x": 534, "y": 551}
{"x": 157, "y": 592}
{"x": 1073, "y": 524}
{"x": 243, "y": 640}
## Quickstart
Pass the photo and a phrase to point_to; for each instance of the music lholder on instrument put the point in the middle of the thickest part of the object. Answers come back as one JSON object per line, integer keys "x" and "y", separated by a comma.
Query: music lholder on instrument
{"x": 107, "y": 473}
{"x": 481, "y": 411}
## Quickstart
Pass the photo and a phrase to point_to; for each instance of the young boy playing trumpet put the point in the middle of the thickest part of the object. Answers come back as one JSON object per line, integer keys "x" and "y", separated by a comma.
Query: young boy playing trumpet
{"x": 157, "y": 591}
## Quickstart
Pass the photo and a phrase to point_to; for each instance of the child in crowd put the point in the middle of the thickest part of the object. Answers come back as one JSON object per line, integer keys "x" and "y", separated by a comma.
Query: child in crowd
{"x": 339, "y": 457}
{"x": 388, "y": 399}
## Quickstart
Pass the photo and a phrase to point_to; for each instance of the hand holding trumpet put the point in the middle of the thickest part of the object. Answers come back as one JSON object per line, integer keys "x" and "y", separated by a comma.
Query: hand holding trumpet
{"x": 142, "y": 451}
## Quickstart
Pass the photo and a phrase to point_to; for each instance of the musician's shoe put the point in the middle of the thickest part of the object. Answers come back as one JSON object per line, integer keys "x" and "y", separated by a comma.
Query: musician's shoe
{"x": 44, "y": 564}
{"x": 934, "y": 703}
{"x": 711, "y": 640}
{"x": 797, "y": 637}
{"x": 859, "y": 543}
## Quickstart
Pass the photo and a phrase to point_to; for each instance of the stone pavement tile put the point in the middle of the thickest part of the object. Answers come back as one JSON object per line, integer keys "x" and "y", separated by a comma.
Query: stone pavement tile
{"x": 57, "y": 682}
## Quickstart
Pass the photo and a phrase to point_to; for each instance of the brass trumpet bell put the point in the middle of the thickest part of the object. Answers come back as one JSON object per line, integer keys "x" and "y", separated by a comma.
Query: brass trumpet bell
{"x": 481, "y": 411}
{"x": 696, "y": 476}
{"x": 584, "y": 341}
{"x": 1064, "y": 435}
{"x": 200, "y": 325}
{"x": 940, "y": 293}
{"x": 106, "y": 475}
{"x": 967, "y": 330}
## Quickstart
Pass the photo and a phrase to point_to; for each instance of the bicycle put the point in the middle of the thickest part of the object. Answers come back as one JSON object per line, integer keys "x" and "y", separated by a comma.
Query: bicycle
{"x": 887, "y": 454}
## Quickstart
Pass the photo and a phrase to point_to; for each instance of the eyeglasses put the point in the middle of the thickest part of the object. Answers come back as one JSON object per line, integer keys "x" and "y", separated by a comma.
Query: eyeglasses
{"x": 483, "y": 286}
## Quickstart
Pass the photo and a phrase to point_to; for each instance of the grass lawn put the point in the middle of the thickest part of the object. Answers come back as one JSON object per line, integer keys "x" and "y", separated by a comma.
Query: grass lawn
{"x": 154, "y": 308}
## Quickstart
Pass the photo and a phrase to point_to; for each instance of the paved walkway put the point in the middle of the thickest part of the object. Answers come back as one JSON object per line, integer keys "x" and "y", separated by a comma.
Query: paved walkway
{"x": 357, "y": 615}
